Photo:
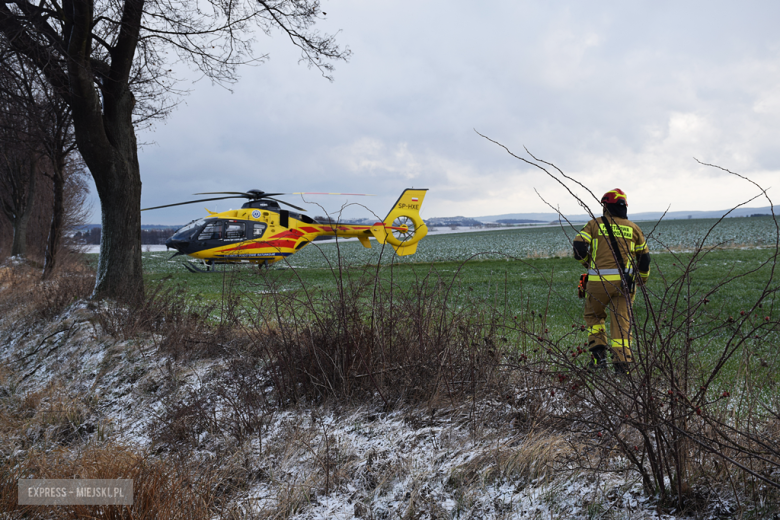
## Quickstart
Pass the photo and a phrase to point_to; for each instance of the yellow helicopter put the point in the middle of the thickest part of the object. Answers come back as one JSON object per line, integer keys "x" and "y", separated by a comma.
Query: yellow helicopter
{"x": 263, "y": 233}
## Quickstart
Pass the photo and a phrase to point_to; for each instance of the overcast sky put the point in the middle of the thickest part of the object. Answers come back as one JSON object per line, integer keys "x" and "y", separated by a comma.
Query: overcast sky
{"x": 617, "y": 94}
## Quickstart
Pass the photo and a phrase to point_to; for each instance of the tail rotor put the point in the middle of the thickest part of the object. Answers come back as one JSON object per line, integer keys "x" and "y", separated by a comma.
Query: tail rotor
{"x": 403, "y": 227}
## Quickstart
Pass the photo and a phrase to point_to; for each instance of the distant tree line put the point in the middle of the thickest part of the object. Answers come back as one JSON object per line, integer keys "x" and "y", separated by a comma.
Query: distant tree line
{"x": 42, "y": 177}
{"x": 156, "y": 236}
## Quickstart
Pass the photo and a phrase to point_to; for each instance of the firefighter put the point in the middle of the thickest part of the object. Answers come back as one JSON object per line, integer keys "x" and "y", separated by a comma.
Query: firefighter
{"x": 614, "y": 251}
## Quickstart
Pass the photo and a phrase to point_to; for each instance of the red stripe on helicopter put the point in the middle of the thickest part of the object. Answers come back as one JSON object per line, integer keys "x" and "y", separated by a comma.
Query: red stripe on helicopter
{"x": 327, "y": 229}
{"x": 290, "y": 233}
{"x": 277, "y": 244}
{"x": 352, "y": 228}
{"x": 386, "y": 226}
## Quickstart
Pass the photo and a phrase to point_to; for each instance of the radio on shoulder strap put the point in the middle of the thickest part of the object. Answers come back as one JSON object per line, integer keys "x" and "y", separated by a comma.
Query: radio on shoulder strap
{"x": 583, "y": 284}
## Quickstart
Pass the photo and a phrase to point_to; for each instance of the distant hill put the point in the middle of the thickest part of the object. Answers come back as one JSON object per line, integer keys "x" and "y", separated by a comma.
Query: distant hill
{"x": 650, "y": 215}
{"x": 452, "y": 221}
{"x": 519, "y": 221}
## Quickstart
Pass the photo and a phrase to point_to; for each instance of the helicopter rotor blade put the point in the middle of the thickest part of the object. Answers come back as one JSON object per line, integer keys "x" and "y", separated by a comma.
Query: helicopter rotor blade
{"x": 286, "y": 203}
{"x": 242, "y": 193}
{"x": 192, "y": 202}
{"x": 324, "y": 193}
{"x": 221, "y": 193}
{"x": 254, "y": 195}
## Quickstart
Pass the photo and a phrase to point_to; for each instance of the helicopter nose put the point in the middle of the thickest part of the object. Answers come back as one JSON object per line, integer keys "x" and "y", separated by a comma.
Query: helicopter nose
{"x": 178, "y": 244}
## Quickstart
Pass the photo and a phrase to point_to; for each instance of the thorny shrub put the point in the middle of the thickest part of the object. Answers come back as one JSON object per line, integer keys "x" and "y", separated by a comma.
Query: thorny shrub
{"x": 178, "y": 325}
{"x": 693, "y": 418}
{"x": 373, "y": 338}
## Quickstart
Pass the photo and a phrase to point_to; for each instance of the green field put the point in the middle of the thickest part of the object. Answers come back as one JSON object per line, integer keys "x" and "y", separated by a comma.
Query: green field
{"x": 516, "y": 266}
{"x": 530, "y": 273}
{"x": 522, "y": 243}
{"x": 519, "y": 270}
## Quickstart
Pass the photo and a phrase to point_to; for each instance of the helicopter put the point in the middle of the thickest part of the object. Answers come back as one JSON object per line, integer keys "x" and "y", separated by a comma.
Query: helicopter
{"x": 262, "y": 233}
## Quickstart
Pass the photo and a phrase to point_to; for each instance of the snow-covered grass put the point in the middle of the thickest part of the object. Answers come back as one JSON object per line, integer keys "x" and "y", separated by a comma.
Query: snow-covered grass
{"x": 83, "y": 388}
{"x": 471, "y": 460}
{"x": 356, "y": 463}
{"x": 96, "y": 375}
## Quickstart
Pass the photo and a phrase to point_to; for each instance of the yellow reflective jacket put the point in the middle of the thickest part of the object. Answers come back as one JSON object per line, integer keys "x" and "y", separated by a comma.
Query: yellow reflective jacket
{"x": 600, "y": 260}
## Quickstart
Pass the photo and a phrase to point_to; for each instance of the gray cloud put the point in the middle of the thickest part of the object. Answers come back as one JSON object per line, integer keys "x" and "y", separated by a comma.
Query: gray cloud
{"x": 617, "y": 94}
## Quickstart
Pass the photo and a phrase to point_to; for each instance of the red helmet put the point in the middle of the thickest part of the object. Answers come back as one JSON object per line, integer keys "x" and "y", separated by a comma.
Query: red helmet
{"x": 616, "y": 196}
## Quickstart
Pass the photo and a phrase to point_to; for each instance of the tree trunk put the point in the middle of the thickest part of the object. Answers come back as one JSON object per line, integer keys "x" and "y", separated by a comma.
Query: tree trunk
{"x": 57, "y": 218}
{"x": 117, "y": 177}
{"x": 106, "y": 139}
{"x": 113, "y": 162}
{"x": 119, "y": 273}
{"x": 19, "y": 245}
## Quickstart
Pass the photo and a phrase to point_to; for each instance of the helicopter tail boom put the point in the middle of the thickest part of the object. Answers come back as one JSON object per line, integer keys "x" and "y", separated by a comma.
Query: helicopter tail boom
{"x": 403, "y": 227}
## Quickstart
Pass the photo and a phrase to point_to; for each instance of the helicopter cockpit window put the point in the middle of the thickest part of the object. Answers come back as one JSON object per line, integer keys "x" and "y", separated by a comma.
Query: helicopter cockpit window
{"x": 234, "y": 231}
{"x": 212, "y": 231}
{"x": 258, "y": 230}
{"x": 189, "y": 229}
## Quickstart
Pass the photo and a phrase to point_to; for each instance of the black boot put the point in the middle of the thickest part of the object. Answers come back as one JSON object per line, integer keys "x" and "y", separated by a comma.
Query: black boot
{"x": 599, "y": 359}
{"x": 622, "y": 369}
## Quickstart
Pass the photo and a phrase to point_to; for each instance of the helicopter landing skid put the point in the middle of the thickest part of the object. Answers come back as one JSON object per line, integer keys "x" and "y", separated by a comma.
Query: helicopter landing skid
{"x": 193, "y": 269}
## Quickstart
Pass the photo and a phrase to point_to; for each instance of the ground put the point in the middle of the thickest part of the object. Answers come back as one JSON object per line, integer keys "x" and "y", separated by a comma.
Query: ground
{"x": 332, "y": 460}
